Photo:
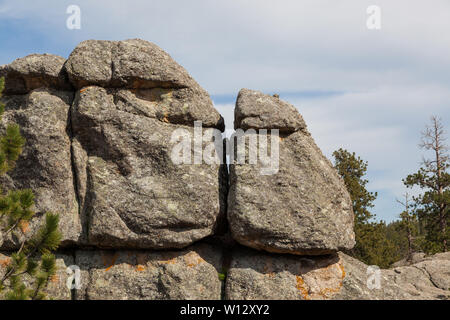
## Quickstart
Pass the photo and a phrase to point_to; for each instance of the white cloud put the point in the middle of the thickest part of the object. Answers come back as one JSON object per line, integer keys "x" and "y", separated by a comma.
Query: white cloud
{"x": 271, "y": 45}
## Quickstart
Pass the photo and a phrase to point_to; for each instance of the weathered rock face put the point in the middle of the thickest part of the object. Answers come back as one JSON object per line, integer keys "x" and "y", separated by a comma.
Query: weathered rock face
{"x": 401, "y": 283}
{"x": 415, "y": 258}
{"x": 189, "y": 274}
{"x": 45, "y": 163}
{"x": 131, "y": 63}
{"x": 138, "y": 64}
{"x": 38, "y": 97}
{"x": 132, "y": 192}
{"x": 304, "y": 208}
{"x": 255, "y": 276}
{"x": 33, "y": 72}
{"x": 125, "y": 190}
{"x": 437, "y": 267}
{"x": 255, "y": 110}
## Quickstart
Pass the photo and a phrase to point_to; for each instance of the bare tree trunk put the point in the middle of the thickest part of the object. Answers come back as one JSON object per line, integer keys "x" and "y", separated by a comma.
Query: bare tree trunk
{"x": 407, "y": 220}
{"x": 410, "y": 247}
{"x": 438, "y": 149}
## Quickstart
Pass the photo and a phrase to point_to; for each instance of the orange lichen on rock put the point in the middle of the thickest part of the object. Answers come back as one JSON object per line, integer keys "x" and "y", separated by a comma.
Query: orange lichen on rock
{"x": 192, "y": 259}
{"x": 5, "y": 262}
{"x": 329, "y": 292}
{"x": 301, "y": 287}
{"x": 321, "y": 283}
{"x": 170, "y": 261}
{"x": 84, "y": 89}
{"x": 341, "y": 266}
{"x": 108, "y": 260}
{"x": 140, "y": 267}
{"x": 24, "y": 226}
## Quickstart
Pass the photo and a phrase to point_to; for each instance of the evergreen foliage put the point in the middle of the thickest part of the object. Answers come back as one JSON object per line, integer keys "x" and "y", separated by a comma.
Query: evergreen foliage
{"x": 372, "y": 247}
{"x": 28, "y": 270}
{"x": 432, "y": 207}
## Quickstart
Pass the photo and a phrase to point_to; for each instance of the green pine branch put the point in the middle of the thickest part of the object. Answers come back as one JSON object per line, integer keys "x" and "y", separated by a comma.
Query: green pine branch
{"x": 30, "y": 268}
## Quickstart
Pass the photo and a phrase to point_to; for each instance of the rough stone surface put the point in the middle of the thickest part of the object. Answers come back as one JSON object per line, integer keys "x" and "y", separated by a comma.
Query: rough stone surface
{"x": 401, "y": 283}
{"x": 255, "y": 110}
{"x": 132, "y": 192}
{"x": 131, "y": 63}
{"x": 138, "y": 64}
{"x": 45, "y": 163}
{"x": 57, "y": 288}
{"x": 35, "y": 71}
{"x": 437, "y": 268}
{"x": 253, "y": 275}
{"x": 415, "y": 258}
{"x": 141, "y": 275}
{"x": 259, "y": 276}
{"x": 304, "y": 208}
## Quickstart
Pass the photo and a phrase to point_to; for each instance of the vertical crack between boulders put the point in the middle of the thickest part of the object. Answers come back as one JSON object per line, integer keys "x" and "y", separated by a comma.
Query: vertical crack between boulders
{"x": 84, "y": 224}
{"x": 226, "y": 262}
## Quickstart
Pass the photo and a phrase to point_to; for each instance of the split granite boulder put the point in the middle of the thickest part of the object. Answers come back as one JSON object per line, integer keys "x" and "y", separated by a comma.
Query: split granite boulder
{"x": 135, "y": 97}
{"x": 132, "y": 192}
{"x": 100, "y": 156}
{"x": 304, "y": 208}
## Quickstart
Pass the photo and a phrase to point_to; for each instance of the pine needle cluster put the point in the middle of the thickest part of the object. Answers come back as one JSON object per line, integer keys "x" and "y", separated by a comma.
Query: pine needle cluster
{"x": 28, "y": 270}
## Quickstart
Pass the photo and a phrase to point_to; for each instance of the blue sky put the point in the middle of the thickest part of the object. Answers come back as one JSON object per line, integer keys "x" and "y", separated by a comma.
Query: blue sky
{"x": 369, "y": 91}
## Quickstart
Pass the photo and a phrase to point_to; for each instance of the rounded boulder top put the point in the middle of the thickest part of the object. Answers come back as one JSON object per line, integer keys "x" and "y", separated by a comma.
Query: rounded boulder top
{"x": 133, "y": 63}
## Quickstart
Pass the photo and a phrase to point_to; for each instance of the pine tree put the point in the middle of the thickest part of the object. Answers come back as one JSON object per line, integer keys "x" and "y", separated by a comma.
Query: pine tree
{"x": 433, "y": 205}
{"x": 408, "y": 224}
{"x": 28, "y": 270}
{"x": 353, "y": 169}
{"x": 372, "y": 246}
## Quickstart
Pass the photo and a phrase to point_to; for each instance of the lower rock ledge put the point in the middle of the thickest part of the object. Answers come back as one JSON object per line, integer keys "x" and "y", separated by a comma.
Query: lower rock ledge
{"x": 191, "y": 274}
{"x": 257, "y": 275}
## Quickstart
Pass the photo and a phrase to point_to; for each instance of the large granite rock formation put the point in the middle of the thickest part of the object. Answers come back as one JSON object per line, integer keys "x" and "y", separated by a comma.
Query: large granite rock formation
{"x": 101, "y": 155}
{"x": 99, "y": 129}
{"x": 304, "y": 208}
